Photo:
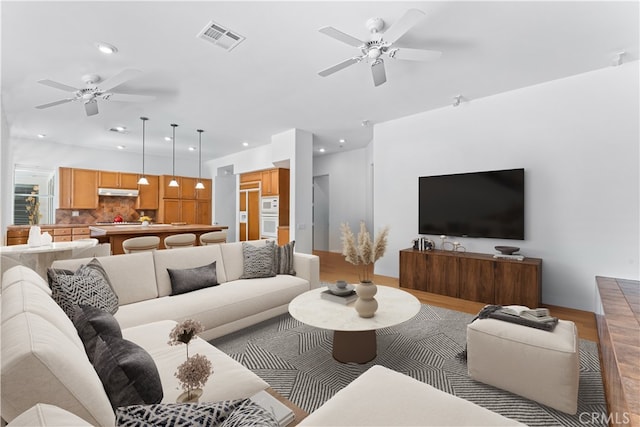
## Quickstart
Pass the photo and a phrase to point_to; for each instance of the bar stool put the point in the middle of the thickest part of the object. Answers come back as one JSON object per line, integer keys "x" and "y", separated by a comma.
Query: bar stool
{"x": 213, "y": 238}
{"x": 141, "y": 244}
{"x": 184, "y": 240}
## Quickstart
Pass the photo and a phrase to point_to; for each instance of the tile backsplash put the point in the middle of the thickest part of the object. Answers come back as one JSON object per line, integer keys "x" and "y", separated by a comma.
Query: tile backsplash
{"x": 109, "y": 207}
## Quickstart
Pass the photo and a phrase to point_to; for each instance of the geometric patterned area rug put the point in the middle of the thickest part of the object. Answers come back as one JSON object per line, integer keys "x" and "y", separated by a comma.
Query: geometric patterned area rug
{"x": 295, "y": 359}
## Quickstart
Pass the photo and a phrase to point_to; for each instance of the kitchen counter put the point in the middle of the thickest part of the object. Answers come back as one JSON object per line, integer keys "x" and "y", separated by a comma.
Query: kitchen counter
{"x": 116, "y": 234}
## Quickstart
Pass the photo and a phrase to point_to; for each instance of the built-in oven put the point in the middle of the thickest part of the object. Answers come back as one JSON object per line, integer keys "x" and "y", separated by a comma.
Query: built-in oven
{"x": 269, "y": 206}
{"x": 269, "y": 226}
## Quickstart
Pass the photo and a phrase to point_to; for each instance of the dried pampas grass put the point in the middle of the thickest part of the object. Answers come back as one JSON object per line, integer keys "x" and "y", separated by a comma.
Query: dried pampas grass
{"x": 365, "y": 252}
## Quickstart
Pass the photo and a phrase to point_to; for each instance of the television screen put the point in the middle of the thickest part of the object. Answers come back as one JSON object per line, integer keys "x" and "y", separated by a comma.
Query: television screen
{"x": 477, "y": 204}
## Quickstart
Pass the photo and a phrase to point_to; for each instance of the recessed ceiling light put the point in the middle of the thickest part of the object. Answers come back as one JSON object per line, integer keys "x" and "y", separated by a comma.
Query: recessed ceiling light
{"x": 342, "y": 140}
{"x": 322, "y": 150}
{"x": 119, "y": 129}
{"x": 106, "y": 48}
{"x": 121, "y": 147}
{"x": 167, "y": 138}
{"x": 41, "y": 135}
{"x": 192, "y": 148}
{"x": 245, "y": 144}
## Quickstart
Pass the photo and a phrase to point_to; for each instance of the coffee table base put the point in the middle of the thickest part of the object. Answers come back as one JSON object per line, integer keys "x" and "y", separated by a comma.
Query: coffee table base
{"x": 354, "y": 346}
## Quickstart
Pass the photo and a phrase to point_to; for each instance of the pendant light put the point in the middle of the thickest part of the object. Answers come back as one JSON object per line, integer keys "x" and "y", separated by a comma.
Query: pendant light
{"x": 200, "y": 185}
{"x": 173, "y": 182}
{"x": 143, "y": 179}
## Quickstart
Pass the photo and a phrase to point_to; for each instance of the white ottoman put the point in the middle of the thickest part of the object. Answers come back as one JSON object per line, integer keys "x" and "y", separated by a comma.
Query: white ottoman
{"x": 539, "y": 365}
{"x": 382, "y": 397}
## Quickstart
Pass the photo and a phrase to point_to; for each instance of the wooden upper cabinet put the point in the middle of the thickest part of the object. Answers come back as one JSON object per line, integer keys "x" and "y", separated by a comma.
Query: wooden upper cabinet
{"x": 148, "y": 194}
{"x": 187, "y": 187}
{"x": 109, "y": 179}
{"x": 205, "y": 194}
{"x": 251, "y": 177}
{"x": 78, "y": 188}
{"x": 167, "y": 192}
{"x": 270, "y": 182}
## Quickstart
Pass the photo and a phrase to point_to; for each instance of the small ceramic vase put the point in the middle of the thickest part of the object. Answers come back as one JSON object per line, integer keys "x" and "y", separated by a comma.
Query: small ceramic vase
{"x": 366, "y": 305}
{"x": 190, "y": 396}
{"x": 145, "y": 223}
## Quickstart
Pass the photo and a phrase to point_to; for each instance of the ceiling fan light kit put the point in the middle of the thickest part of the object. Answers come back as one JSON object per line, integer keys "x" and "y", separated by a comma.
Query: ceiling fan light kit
{"x": 89, "y": 95}
{"x": 381, "y": 44}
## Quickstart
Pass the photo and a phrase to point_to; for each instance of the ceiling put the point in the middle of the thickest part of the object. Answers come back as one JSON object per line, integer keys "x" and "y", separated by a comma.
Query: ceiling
{"x": 269, "y": 83}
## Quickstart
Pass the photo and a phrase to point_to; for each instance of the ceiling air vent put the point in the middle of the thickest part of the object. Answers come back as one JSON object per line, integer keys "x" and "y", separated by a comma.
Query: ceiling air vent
{"x": 220, "y": 36}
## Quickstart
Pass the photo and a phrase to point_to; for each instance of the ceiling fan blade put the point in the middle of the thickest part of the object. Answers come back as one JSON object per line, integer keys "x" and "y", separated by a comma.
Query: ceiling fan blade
{"x": 377, "y": 70}
{"x": 91, "y": 107}
{"x": 404, "y": 24}
{"x": 415, "y": 54}
{"x": 57, "y": 85}
{"x": 343, "y": 37}
{"x": 125, "y": 97}
{"x": 51, "y": 104}
{"x": 118, "y": 79}
{"x": 340, "y": 66}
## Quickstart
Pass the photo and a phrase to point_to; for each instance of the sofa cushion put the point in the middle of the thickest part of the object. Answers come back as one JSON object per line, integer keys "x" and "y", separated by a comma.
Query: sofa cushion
{"x": 85, "y": 286}
{"x": 27, "y": 297}
{"x": 196, "y": 256}
{"x": 133, "y": 276}
{"x": 91, "y": 322}
{"x": 185, "y": 280}
{"x": 20, "y": 274}
{"x": 230, "y": 380}
{"x": 127, "y": 371}
{"x": 57, "y": 372}
{"x": 42, "y": 415}
{"x": 258, "y": 261}
{"x": 284, "y": 258}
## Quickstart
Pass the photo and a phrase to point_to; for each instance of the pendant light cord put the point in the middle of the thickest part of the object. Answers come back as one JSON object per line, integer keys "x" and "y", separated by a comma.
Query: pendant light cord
{"x": 174, "y": 149}
{"x": 144, "y": 120}
{"x": 200, "y": 154}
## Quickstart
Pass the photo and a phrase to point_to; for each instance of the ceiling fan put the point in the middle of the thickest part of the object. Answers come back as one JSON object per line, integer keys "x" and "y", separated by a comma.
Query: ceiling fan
{"x": 89, "y": 95}
{"x": 381, "y": 44}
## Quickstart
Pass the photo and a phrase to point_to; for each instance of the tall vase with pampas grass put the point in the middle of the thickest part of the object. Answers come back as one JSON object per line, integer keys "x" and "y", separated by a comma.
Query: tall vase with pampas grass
{"x": 363, "y": 253}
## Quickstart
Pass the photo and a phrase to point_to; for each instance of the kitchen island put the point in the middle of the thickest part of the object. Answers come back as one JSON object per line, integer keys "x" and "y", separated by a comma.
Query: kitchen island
{"x": 116, "y": 234}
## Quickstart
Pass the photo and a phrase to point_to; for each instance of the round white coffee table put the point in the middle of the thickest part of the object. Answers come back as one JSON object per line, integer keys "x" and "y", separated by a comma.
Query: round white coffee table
{"x": 354, "y": 337}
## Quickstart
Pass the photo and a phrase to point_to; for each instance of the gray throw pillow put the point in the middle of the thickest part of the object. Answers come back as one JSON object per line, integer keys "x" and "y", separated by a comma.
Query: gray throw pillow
{"x": 87, "y": 286}
{"x": 185, "y": 280}
{"x": 284, "y": 259}
{"x": 258, "y": 261}
{"x": 128, "y": 373}
{"x": 92, "y": 322}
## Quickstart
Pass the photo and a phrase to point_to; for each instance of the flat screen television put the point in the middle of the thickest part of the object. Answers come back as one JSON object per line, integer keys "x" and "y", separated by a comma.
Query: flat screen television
{"x": 477, "y": 204}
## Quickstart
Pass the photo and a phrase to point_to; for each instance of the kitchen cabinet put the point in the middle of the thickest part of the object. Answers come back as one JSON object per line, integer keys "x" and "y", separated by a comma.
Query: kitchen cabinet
{"x": 269, "y": 179}
{"x": 184, "y": 203}
{"x": 148, "y": 194}
{"x": 109, "y": 179}
{"x": 78, "y": 188}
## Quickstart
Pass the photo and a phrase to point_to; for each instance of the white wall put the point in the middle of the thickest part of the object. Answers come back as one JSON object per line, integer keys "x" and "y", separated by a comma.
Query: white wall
{"x": 577, "y": 139}
{"x": 349, "y": 188}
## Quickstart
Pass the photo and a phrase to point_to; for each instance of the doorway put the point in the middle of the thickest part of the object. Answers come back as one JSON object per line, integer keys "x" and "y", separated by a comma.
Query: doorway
{"x": 321, "y": 213}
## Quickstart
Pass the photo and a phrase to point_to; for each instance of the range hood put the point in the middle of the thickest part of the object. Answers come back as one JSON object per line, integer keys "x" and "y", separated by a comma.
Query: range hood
{"x": 119, "y": 192}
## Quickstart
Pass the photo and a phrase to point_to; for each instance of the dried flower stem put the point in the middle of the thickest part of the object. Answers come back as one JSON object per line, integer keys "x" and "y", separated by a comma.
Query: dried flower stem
{"x": 365, "y": 253}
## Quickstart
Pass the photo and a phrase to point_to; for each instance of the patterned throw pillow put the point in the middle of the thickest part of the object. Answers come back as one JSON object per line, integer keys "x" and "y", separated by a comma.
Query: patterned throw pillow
{"x": 88, "y": 285}
{"x": 185, "y": 280}
{"x": 284, "y": 259}
{"x": 127, "y": 371}
{"x": 225, "y": 413}
{"x": 258, "y": 260}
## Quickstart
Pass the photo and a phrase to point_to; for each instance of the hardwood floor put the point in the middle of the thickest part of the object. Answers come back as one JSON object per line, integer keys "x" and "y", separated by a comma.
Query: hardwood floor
{"x": 333, "y": 267}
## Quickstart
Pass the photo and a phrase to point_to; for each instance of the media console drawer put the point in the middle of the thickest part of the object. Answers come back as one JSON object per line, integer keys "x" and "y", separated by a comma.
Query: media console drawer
{"x": 472, "y": 276}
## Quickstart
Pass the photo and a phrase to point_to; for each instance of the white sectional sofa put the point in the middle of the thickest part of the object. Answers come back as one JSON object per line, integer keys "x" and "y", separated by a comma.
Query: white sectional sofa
{"x": 143, "y": 286}
{"x": 44, "y": 360}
